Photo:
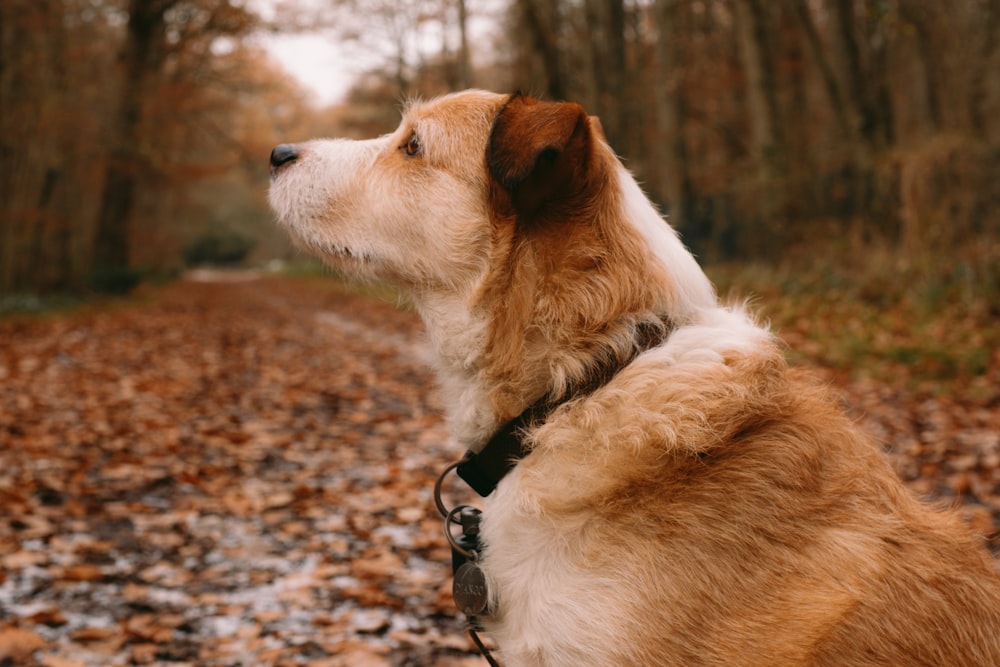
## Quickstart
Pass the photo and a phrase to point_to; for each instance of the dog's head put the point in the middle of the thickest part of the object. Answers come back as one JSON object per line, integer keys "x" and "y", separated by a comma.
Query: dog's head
{"x": 408, "y": 207}
{"x": 420, "y": 206}
{"x": 514, "y": 211}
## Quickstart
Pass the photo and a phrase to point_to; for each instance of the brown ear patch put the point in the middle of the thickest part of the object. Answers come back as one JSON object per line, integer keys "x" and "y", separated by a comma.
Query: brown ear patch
{"x": 540, "y": 152}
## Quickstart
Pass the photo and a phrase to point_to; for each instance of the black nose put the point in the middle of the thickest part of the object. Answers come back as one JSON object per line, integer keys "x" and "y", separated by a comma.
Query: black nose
{"x": 282, "y": 155}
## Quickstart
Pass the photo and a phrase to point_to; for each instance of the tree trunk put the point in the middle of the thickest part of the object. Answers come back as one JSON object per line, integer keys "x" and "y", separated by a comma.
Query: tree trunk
{"x": 922, "y": 22}
{"x": 142, "y": 58}
{"x": 17, "y": 122}
{"x": 540, "y": 19}
{"x": 606, "y": 26}
{"x": 981, "y": 76}
{"x": 865, "y": 87}
{"x": 762, "y": 87}
{"x": 464, "y": 62}
{"x": 32, "y": 143}
{"x": 675, "y": 185}
{"x": 766, "y": 127}
{"x": 800, "y": 10}
{"x": 869, "y": 104}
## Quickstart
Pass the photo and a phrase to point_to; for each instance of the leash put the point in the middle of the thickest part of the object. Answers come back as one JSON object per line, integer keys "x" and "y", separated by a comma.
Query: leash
{"x": 483, "y": 471}
{"x": 469, "y": 586}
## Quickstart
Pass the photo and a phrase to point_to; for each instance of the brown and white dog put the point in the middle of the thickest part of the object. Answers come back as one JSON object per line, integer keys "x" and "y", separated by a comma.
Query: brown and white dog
{"x": 705, "y": 505}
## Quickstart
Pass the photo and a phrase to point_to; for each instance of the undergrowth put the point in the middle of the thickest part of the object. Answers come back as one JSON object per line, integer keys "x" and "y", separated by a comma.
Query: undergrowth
{"x": 932, "y": 325}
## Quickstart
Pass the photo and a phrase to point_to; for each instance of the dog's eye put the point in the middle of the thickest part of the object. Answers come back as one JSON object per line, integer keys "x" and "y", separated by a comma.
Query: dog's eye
{"x": 412, "y": 146}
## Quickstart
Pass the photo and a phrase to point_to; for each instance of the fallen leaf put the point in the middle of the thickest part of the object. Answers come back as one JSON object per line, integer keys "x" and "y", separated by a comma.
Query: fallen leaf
{"x": 50, "y": 660}
{"x": 17, "y": 644}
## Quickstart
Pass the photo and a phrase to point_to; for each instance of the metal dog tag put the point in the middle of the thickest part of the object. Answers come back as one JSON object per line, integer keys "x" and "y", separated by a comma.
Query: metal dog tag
{"x": 469, "y": 589}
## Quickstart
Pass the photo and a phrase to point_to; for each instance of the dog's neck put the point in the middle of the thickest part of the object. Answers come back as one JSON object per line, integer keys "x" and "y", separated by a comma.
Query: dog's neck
{"x": 457, "y": 339}
{"x": 475, "y": 415}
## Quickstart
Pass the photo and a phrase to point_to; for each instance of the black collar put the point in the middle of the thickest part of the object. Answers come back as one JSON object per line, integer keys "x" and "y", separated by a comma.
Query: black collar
{"x": 483, "y": 470}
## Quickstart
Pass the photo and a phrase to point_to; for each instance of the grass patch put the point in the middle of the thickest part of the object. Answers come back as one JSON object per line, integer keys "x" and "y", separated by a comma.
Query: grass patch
{"x": 934, "y": 328}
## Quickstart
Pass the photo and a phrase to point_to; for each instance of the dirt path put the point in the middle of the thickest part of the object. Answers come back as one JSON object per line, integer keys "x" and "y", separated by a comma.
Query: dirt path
{"x": 239, "y": 472}
{"x": 232, "y": 473}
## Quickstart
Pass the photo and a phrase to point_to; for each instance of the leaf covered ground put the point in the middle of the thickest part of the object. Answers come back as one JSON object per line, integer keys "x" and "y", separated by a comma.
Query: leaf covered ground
{"x": 237, "y": 470}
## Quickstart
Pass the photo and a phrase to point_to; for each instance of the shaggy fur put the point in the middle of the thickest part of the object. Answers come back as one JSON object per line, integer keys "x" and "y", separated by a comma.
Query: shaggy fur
{"x": 707, "y": 506}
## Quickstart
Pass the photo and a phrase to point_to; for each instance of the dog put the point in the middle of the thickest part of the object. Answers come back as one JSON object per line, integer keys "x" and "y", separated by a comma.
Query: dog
{"x": 681, "y": 497}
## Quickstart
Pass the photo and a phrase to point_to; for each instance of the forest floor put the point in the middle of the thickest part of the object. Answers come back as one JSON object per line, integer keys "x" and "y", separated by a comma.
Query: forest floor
{"x": 237, "y": 470}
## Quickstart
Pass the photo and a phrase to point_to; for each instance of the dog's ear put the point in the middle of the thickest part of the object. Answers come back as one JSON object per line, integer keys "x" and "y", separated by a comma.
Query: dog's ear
{"x": 597, "y": 128}
{"x": 540, "y": 152}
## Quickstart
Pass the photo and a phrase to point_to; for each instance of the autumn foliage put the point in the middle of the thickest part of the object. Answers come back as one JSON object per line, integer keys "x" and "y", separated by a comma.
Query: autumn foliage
{"x": 130, "y": 129}
{"x": 771, "y": 131}
{"x": 223, "y": 473}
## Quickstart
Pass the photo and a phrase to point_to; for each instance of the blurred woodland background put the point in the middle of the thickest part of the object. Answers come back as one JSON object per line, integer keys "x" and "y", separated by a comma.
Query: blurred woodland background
{"x": 235, "y": 467}
{"x": 862, "y": 135}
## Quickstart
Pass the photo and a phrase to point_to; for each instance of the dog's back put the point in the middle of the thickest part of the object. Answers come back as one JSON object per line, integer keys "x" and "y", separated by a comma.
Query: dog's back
{"x": 729, "y": 515}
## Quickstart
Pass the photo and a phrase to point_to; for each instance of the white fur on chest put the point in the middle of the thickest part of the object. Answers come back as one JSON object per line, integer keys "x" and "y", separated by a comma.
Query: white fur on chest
{"x": 551, "y": 611}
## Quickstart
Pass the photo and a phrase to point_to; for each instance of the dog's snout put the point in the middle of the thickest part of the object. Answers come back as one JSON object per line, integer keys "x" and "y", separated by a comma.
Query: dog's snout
{"x": 283, "y": 154}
